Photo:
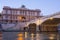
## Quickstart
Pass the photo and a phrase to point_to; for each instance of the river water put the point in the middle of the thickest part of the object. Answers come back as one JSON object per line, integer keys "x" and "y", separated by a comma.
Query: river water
{"x": 30, "y": 36}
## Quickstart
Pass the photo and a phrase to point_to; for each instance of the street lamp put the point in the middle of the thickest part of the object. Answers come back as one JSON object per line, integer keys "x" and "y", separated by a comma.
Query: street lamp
{"x": 51, "y": 18}
{"x": 39, "y": 21}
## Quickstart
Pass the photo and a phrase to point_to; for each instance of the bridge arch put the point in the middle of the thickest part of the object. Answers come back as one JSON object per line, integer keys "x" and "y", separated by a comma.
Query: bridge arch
{"x": 39, "y": 21}
{"x": 51, "y": 23}
{"x": 51, "y": 19}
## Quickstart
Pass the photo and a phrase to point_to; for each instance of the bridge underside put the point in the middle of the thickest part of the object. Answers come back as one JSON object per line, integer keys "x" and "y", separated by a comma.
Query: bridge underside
{"x": 50, "y": 25}
{"x": 53, "y": 21}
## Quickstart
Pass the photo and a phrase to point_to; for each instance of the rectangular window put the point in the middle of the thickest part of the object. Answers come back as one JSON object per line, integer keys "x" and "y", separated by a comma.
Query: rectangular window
{"x": 8, "y": 12}
{"x": 4, "y": 11}
{"x": 5, "y": 17}
{"x": 13, "y": 12}
{"x": 8, "y": 17}
{"x": 24, "y": 12}
{"x": 27, "y": 13}
{"x": 21, "y": 12}
{"x": 18, "y": 12}
{"x": 35, "y": 13}
{"x": 32, "y": 13}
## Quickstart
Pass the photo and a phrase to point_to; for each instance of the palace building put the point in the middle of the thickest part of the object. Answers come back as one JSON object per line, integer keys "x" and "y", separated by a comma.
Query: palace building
{"x": 15, "y": 15}
{"x": 19, "y": 14}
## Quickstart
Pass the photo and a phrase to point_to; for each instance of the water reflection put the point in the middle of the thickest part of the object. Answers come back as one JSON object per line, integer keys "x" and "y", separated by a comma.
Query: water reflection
{"x": 51, "y": 36}
{"x": 32, "y": 36}
{"x": 26, "y": 34}
{"x": 37, "y": 36}
{"x": 20, "y": 36}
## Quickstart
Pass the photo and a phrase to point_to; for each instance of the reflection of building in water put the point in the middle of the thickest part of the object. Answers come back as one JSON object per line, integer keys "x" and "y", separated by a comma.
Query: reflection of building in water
{"x": 20, "y": 36}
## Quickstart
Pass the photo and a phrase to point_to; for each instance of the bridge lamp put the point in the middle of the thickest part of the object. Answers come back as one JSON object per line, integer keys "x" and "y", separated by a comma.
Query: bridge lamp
{"x": 51, "y": 18}
{"x": 39, "y": 22}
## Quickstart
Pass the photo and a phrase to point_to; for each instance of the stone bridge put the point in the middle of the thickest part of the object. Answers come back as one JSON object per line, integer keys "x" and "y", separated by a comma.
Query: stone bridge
{"x": 39, "y": 21}
{"x": 51, "y": 20}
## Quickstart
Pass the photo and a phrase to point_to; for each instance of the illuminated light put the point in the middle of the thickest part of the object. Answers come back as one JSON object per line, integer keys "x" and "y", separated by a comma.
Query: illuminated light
{"x": 20, "y": 38}
{"x": 20, "y": 35}
{"x": 26, "y": 34}
{"x": 20, "y": 18}
{"x": 39, "y": 22}
{"x": 32, "y": 35}
{"x": 37, "y": 36}
{"x": 51, "y": 37}
{"x": 51, "y": 18}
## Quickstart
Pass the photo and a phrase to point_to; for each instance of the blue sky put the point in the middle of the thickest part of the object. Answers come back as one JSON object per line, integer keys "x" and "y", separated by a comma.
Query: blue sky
{"x": 47, "y": 7}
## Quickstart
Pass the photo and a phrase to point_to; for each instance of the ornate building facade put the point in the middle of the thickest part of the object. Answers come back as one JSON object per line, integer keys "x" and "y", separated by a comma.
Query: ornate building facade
{"x": 19, "y": 14}
{"x": 15, "y": 15}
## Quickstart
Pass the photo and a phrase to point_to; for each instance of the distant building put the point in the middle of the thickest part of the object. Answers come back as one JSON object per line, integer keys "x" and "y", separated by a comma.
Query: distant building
{"x": 19, "y": 14}
{"x": 22, "y": 14}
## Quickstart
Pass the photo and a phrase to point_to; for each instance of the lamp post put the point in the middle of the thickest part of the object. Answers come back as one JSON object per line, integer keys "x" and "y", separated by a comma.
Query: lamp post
{"x": 51, "y": 18}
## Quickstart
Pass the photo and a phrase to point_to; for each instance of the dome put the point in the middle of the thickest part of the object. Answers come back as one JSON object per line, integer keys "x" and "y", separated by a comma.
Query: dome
{"x": 23, "y": 6}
